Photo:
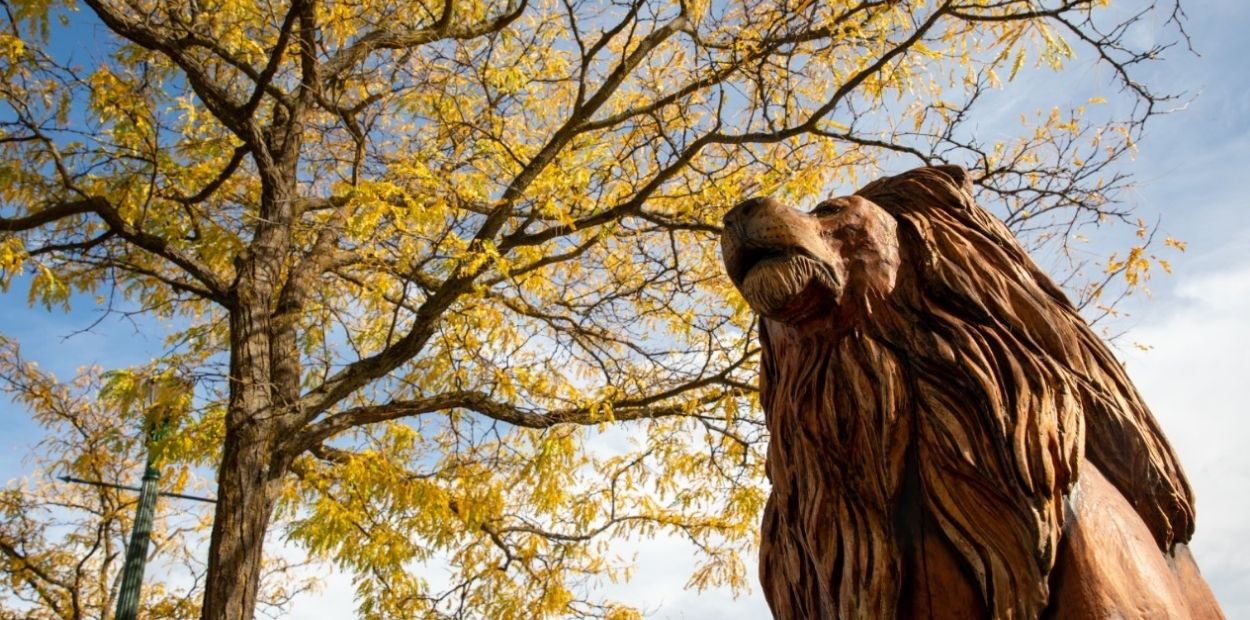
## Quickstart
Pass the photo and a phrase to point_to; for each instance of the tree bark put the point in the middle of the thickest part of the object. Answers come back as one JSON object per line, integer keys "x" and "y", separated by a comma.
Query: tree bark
{"x": 248, "y": 485}
{"x": 253, "y": 465}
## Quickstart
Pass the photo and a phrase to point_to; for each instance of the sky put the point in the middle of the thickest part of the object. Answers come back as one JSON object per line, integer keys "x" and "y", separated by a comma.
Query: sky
{"x": 1190, "y": 172}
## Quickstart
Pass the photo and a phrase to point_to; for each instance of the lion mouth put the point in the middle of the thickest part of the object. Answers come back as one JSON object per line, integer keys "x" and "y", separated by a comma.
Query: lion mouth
{"x": 751, "y": 258}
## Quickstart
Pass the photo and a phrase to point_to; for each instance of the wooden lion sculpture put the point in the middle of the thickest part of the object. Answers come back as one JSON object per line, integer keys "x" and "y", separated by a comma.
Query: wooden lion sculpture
{"x": 949, "y": 439}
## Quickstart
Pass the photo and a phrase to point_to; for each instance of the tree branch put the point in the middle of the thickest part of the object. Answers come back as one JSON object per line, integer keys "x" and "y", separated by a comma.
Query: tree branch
{"x": 484, "y": 404}
{"x": 215, "y": 287}
{"x": 519, "y": 238}
{"x": 48, "y": 215}
{"x": 219, "y": 103}
{"x": 388, "y": 38}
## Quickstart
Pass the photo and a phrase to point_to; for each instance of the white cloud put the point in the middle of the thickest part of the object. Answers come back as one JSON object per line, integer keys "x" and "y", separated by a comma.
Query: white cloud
{"x": 1194, "y": 379}
{"x": 664, "y": 564}
{"x": 335, "y": 597}
{"x": 662, "y": 567}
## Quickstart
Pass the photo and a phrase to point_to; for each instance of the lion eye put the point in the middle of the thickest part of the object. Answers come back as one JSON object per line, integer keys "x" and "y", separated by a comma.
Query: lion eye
{"x": 827, "y": 208}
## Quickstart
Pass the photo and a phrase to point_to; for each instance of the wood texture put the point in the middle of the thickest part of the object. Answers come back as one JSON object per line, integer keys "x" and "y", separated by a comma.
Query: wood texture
{"x": 933, "y": 399}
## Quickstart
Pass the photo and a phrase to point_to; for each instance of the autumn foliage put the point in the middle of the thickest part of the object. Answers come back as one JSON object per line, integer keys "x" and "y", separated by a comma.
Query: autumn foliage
{"x": 443, "y": 273}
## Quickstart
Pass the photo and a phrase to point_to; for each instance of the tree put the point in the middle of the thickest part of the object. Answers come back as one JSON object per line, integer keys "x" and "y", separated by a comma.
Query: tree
{"x": 61, "y": 545}
{"x": 415, "y": 255}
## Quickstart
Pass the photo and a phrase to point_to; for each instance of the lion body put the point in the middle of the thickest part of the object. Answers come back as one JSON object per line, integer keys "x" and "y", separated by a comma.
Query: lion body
{"x": 928, "y": 438}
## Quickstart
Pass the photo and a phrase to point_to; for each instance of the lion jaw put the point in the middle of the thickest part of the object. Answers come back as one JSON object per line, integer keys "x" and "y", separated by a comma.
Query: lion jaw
{"x": 792, "y": 266}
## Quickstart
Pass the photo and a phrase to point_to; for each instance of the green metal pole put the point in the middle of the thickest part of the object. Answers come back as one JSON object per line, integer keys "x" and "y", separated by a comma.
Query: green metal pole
{"x": 140, "y": 534}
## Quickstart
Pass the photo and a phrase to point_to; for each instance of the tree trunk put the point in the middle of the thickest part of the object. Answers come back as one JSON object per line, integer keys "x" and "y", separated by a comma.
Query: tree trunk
{"x": 249, "y": 478}
{"x": 247, "y": 488}
{"x": 264, "y": 383}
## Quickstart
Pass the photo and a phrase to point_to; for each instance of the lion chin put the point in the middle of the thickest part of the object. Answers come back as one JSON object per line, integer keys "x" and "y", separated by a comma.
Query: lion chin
{"x": 948, "y": 437}
{"x": 791, "y": 287}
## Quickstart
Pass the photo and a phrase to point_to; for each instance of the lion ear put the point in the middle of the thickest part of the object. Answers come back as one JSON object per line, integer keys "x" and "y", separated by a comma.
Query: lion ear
{"x": 959, "y": 176}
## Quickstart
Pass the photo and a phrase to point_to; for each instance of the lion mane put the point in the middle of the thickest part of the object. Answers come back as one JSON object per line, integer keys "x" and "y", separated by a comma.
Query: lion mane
{"x": 955, "y": 411}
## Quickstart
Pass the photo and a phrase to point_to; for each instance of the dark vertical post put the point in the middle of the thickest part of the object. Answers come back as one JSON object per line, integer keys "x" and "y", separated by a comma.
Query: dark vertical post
{"x": 140, "y": 534}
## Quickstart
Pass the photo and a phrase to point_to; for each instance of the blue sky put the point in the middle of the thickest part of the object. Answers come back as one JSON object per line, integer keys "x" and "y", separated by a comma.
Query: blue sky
{"x": 1191, "y": 171}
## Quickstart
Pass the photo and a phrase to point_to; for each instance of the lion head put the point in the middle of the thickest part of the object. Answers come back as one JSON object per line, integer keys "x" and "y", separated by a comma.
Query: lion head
{"x": 794, "y": 266}
{"x": 929, "y": 393}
